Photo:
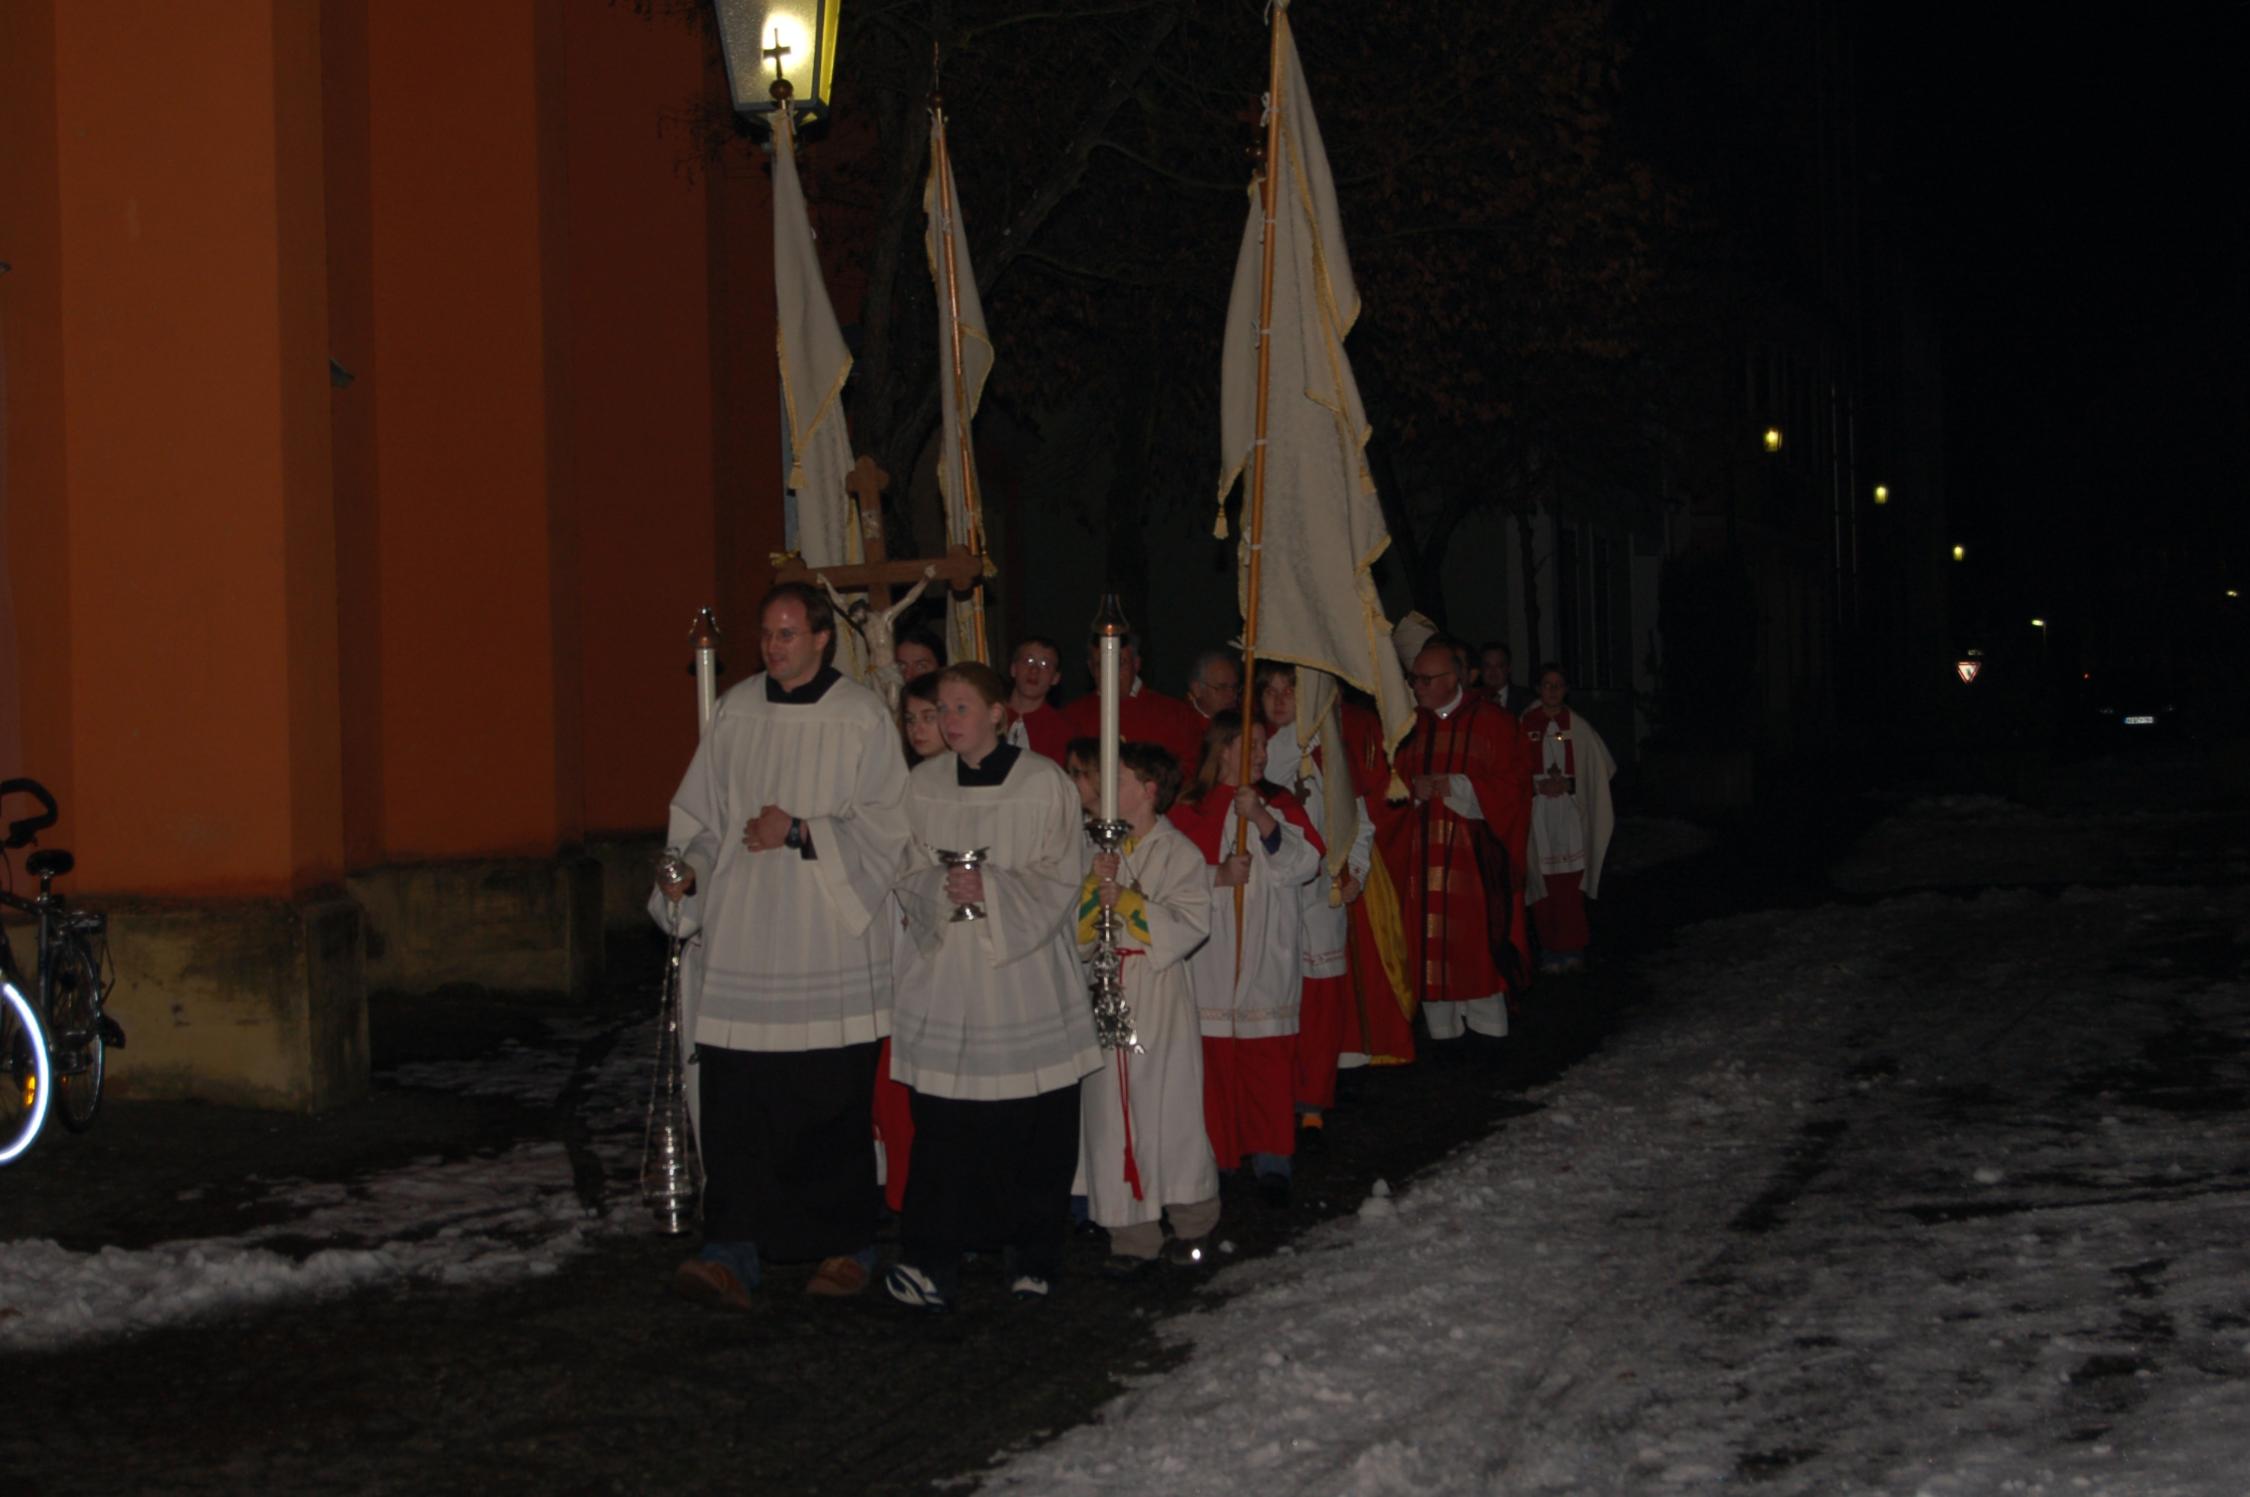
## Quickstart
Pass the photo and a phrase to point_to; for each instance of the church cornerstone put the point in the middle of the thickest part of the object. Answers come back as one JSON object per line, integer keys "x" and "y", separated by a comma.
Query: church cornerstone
{"x": 520, "y": 925}
{"x": 253, "y": 1003}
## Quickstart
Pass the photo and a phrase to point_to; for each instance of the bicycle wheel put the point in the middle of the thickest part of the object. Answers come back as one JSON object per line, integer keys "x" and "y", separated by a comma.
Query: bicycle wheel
{"x": 74, "y": 1033}
{"x": 24, "y": 1076}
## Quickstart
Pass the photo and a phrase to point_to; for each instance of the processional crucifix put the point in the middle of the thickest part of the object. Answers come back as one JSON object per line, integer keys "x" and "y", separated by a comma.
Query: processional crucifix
{"x": 875, "y": 617}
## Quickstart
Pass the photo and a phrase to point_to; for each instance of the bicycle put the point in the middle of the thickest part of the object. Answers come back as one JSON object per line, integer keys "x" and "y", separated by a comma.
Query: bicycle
{"x": 54, "y": 1035}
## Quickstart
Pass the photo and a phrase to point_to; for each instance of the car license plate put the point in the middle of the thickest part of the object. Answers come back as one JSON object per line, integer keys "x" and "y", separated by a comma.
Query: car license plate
{"x": 2140, "y": 722}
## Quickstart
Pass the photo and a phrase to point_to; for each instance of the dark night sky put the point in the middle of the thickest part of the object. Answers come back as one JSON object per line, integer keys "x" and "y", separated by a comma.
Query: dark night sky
{"x": 2081, "y": 207}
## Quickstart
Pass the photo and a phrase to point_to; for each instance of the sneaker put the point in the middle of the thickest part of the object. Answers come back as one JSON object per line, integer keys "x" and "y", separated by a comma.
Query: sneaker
{"x": 710, "y": 1283}
{"x": 910, "y": 1286}
{"x": 1121, "y": 1268}
{"x": 838, "y": 1278}
{"x": 1312, "y": 1134}
{"x": 1028, "y": 1287}
{"x": 1192, "y": 1252}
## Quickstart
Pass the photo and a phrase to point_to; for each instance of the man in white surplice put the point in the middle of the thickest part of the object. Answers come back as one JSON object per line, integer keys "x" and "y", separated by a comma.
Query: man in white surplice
{"x": 791, "y": 822}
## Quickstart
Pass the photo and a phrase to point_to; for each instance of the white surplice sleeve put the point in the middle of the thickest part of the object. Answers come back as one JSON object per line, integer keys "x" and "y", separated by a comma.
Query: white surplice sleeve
{"x": 1294, "y": 861}
{"x": 1175, "y": 889}
{"x": 696, "y": 826}
{"x": 857, "y": 848}
{"x": 1461, "y": 797}
{"x": 1032, "y": 900}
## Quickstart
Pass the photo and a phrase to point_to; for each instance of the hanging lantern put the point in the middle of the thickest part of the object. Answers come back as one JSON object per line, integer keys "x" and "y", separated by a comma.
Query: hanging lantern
{"x": 779, "y": 50}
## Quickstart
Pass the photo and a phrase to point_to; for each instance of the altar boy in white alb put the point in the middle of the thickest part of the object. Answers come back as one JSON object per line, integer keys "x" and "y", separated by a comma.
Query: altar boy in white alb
{"x": 792, "y": 823}
{"x": 1146, "y": 1152}
{"x": 994, "y": 1028}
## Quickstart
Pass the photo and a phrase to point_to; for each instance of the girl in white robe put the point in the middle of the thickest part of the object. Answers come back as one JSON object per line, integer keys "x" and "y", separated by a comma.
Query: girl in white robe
{"x": 1248, "y": 1010}
{"x": 1146, "y": 1152}
{"x": 991, "y": 1026}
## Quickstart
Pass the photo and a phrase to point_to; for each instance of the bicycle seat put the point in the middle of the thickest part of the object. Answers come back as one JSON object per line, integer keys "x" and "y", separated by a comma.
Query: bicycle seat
{"x": 49, "y": 862}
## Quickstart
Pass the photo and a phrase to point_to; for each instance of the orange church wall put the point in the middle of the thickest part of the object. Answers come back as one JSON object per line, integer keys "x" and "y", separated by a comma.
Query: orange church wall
{"x": 195, "y": 449}
{"x": 352, "y": 408}
{"x": 471, "y": 642}
{"x": 640, "y": 408}
{"x": 31, "y": 324}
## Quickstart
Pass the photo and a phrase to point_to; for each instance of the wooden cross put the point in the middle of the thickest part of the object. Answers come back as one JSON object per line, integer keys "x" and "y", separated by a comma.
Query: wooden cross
{"x": 960, "y": 568}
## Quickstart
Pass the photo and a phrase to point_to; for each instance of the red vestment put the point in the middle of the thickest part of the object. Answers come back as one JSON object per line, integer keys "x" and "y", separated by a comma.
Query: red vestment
{"x": 1143, "y": 716}
{"x": 1460, "y": 880}
{"x": 1044, "y": 730}
{"x": 894, "y": 1128}
{"x": 1379, "y": 1019}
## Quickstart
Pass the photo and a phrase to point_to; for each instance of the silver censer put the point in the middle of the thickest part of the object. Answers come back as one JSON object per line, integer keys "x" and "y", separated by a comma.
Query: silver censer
{"x": 669, "y": 1168}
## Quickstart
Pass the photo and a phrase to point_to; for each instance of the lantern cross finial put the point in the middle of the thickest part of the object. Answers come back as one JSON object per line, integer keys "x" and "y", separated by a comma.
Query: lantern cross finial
{"x": 777, "y": 51}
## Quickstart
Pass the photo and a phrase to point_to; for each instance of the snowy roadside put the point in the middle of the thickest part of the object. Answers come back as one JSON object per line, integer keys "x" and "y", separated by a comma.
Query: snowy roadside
{"x": 1874, "y": 1201}
{"x": 481, "y": 1220}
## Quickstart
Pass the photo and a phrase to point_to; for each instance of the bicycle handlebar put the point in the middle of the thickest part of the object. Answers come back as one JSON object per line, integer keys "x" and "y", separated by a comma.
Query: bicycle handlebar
{"x": 23, "y": 832}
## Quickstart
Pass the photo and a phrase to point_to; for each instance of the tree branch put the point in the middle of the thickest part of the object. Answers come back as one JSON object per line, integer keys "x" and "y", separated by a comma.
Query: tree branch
{"x": 1027, "y": 17}
{"x": 1072, "y": 166}
{"x": 1198, "y": 183}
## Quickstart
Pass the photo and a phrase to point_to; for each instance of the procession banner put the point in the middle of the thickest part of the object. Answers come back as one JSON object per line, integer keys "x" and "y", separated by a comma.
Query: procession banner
{"x": 1323, "y": 527}
{"x": 965, "y": 362}
{"x": 814, "y": 365}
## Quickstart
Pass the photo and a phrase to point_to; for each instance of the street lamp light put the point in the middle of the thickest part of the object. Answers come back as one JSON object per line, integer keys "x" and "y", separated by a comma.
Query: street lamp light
{"x": 1882, "y": 493}
{"x": 779, "y": 51}
{"x": 2038, "y": 623}
{"x": 1773, "y": 439}
{"x": 1960, "y": 553}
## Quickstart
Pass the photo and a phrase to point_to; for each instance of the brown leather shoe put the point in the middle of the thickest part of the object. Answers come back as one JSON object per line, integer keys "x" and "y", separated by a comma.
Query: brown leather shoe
{"x": 837, "y": 1278}
{"x": 709, "y": 1283}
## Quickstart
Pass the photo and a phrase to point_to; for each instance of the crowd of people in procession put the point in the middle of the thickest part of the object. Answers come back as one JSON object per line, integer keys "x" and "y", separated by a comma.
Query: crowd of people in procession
{"x": 895, "y": 910}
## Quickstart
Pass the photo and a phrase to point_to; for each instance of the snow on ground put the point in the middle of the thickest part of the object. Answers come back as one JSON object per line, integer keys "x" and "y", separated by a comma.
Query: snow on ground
{"x": 1969, "y": 841}
{"x": 1877, "y": 1199}
{"x": 480, "y": 1220}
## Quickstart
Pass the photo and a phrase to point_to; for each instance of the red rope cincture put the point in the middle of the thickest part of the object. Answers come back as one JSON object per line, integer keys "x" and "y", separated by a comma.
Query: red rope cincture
{"x": 1125, "y": 1086}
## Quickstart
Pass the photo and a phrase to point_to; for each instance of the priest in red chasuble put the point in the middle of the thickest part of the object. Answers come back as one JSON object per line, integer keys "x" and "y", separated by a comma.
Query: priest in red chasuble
{"x": 1456, "y": 850}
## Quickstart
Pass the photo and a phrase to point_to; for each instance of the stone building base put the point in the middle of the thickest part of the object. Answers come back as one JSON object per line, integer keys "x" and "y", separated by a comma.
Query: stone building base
{"x": 520, "y": 925}
{"x": 256, "y": 1003}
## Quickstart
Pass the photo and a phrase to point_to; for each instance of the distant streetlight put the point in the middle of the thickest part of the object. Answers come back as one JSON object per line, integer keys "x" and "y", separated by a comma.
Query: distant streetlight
{"x": 1773, "y": 439}
{"x": 2234, "y": 592}
{"x": 1960, "y": 553}
{"x": 1882, "y": 493}
{"x": 779, "y": 51}
{"x": 2038, "y": 623}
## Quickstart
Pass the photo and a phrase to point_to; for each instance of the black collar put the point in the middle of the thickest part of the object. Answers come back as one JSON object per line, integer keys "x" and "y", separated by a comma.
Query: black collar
{"x": 993, "y": 771}
{"x": 800, "y": 696}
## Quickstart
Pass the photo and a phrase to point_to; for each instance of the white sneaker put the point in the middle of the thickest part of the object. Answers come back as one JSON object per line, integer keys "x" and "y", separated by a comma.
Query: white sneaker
{"x": 1028, "y": 1287}
{"x": 910, "y": 1286}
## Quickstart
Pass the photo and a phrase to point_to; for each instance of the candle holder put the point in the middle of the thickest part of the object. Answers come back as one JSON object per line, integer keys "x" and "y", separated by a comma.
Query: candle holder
{"x": 1113, "y": 1017}
{"x": 974, "y": 858}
